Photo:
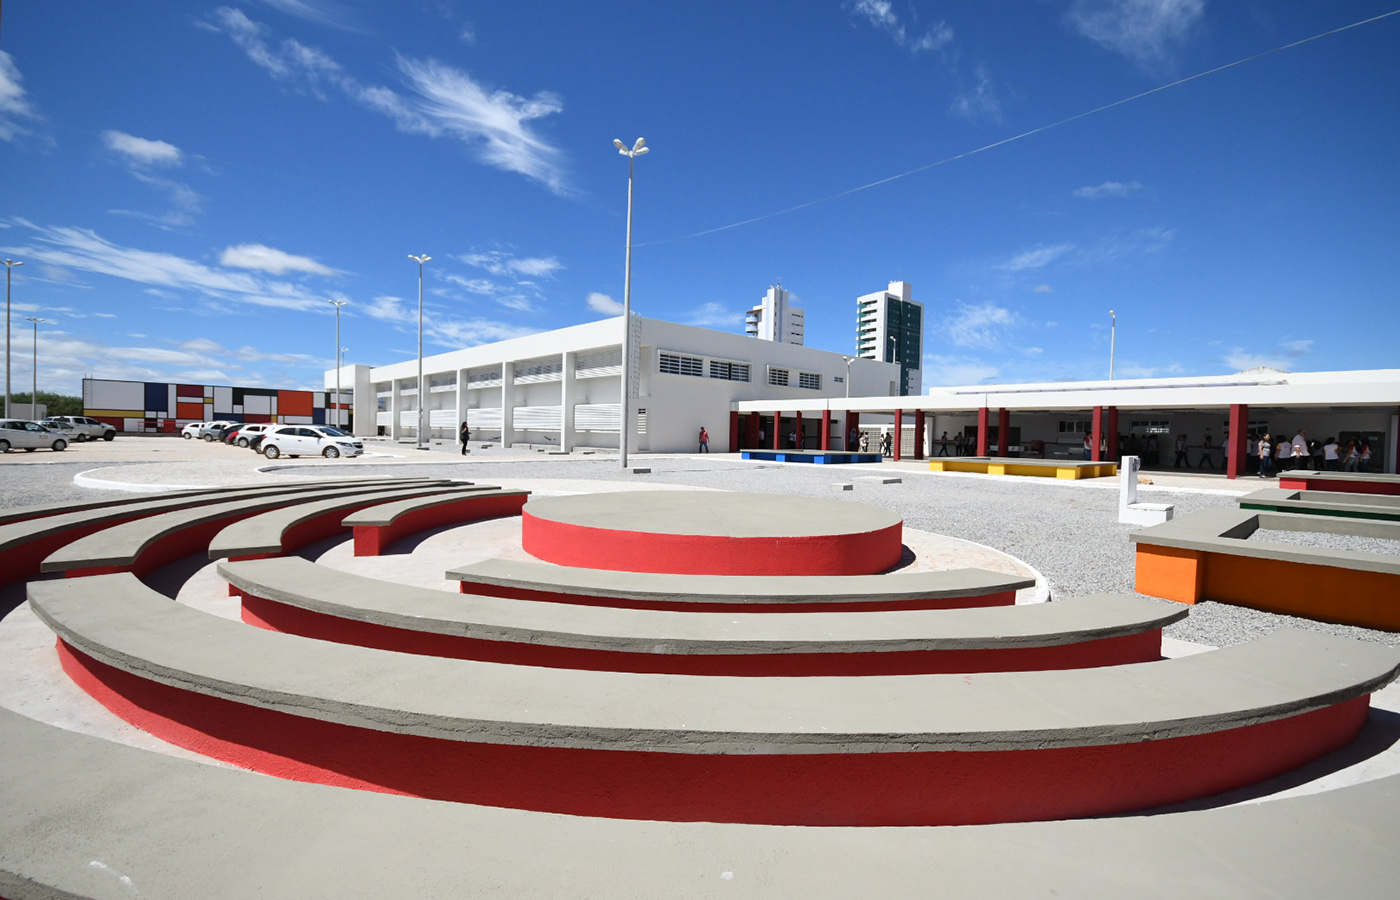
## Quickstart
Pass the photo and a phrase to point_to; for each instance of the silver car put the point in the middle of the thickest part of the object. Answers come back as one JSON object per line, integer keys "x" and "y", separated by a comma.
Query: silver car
{"x": 28, "y": 436}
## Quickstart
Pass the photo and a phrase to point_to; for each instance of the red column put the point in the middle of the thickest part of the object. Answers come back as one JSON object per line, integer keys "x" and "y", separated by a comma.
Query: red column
{"x": 1239, "y": 440}
{"x": 797, "y": 429}
{"x": 733, "y": 431}
{"x": 918, "y": 434}
{"x": 755, "y": 423}
{"x": 853, "y": 421}
{"x": 826, "y": 429}
{"x": 983, "y": 417}
{"x": 1113, "y": 434}
{"x": 1097, "y": 435}
{"x": 898, "y": 434}
{"x": 1003, "y": 432}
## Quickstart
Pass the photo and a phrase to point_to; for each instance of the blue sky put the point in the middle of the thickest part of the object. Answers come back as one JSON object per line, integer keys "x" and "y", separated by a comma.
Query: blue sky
{"x": 190, "y": 184}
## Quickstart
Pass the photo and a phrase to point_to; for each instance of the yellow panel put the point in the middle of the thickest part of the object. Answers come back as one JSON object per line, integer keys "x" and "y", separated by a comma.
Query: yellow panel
{"x": 116, "y": 413}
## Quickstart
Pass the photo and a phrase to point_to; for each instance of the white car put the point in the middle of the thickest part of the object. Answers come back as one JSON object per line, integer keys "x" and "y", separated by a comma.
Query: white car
{"x": 309, "y": 440}
{"x": 191, "y": 431}
{"x": 28, "y": 436}
{"x": 248, "y": 432}
{"x": 84, "y": 428}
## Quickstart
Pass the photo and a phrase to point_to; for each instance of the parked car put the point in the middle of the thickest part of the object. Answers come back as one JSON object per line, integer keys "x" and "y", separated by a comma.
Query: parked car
{"x": 85, "y": 429}
{"x": 210, "y": 430}
{"x": 306, "y": 440}
{"x": 191, "y": 431}
{"x": 227, "y": 434}
{"x": 28, "y": 436}
{"x": 249, "y": 433}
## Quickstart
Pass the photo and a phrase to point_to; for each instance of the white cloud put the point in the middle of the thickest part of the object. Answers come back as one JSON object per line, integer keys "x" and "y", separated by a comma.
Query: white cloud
{"x": 318, "y": 12}
{"x": 1037, "y": 258}
{"x": 1145, "y": 31}
{"x": 14, "y": 107}
{"x": 979, "y": 101}
{"x": 483, "y": 286}
{"x": 880, "y": 14}
{"x": 498, "y": 262}
{"x": 713, "y": 315}
{"x": 389, "y": 309}
{"x": 979, "y": 326}
{"x": 268, "y": 259}
{"x": 944, "y": 371}
{"x": 1043, "y": 289}
{"x": 604, "y": 304}
{"x": 142, "y": 151}
{"x": 1284, "y": 356}
{"x": 1108, "y": 189}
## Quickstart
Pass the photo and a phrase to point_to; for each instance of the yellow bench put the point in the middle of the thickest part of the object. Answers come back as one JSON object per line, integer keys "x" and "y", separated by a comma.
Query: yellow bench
{"x": 1035, "y": 468}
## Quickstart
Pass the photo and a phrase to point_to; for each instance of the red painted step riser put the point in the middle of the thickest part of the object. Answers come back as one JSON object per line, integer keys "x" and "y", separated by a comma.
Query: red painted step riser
{"x": 1005, "y": 598}
{"x": 917, "y": 788}
{"x": 688, "y": 554}
{"x": 1117, "y": 651}
{"x": 374, "y": 540}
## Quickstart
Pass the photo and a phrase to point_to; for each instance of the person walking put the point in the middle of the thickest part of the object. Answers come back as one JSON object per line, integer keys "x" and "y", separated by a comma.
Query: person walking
{"x": 1181, "y": 460}
{"x": 853, "y": 440}
{"x": 1283, "y": 455}
{"x": 959, "y": 444}
{"x": 704, "y": 440}
{"x": 1266, "y": 453}
{"x": 943, "y": 445}
{"x": 1206, "y": 462}
{"x": 465, "y": 435}
{"x": 1331, "y": 458}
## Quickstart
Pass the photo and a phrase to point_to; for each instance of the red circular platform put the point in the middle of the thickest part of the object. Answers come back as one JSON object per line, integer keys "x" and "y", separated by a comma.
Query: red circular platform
{"x": 712, "y": 533}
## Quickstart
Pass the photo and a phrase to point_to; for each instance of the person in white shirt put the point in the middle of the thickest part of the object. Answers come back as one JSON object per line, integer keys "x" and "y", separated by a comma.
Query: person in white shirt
{"x": 1283, "y": 454}
{"x": 1300, "y": 449}
{"x": 1330, "y": 458}
{"x": 1265, "y": 452}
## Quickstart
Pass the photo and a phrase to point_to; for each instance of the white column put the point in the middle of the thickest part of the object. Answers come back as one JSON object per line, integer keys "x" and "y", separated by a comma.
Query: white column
{"x": 566, "y": 403}
{"x": 395, "y": 404}
{"x": 507, "y": 403}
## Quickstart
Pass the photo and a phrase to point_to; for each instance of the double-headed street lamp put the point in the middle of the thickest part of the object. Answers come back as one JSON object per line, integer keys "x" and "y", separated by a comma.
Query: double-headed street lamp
{"x": 9, "y": 268}
{"x": 422, "y": 258}
{"x": 637, "y": 150}
{"x": 34, "y": 388}
{"x": 337, "y": 304}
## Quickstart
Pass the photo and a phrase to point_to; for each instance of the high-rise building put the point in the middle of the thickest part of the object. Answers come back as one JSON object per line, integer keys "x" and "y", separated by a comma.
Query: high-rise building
{"x": 890, "y": 328}
{"x": 776, "y": 319}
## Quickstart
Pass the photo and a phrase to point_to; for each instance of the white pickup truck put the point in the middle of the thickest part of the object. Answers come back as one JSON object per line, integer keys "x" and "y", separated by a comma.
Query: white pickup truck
{"x": 85, "y": 429}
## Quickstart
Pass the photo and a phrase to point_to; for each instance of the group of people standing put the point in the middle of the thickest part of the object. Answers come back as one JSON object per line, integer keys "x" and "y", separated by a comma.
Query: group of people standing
{"x": 1300, "y": 453}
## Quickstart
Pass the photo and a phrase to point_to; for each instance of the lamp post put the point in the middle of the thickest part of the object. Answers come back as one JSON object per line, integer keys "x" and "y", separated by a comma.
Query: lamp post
{"x": 34, "y": 387}
{"x": 422, "y": 445}
{"x": 336, "y": 406}
{"x": 1112, "y": 342}
{"x": 9, "y": 268}
{"x": 637, "y": 150}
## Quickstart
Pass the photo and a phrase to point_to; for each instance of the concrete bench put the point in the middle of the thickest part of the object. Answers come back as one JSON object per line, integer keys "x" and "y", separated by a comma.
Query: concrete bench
{"x": 1036, "y": 468}
{"x": 25, "y": 543}
{"x": 144, "y": 544}
{"x": 816, "y": 457}
{"x": 286, "y": 530}
{"x": 87, "y": 819}
{"x": 900, "y": 750}
{"x": 1207, "y": 556}
{"x": 377, "y": 527}
{"x": 297, "y": 596}
{"x": 1345, "y": 482}
{"x": 951, "y": 589}
{"x": 1382, "y": 507}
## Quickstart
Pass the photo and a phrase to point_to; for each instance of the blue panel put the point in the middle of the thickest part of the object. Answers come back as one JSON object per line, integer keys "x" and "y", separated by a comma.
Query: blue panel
{"x": 318, "y": 416}
{"x": 157, "y": 397}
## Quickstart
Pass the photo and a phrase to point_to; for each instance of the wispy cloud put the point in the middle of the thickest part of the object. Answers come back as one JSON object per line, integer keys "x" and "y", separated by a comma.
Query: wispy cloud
{"x": 1037, "y": 258}
{"x": 947, "y": 371}
{"x": 139, "y": 156}
{"x": 440, "y": 101}
{"x": 1108, "y": 189}
{"x": 602, "y": 303}
{"x": 268, "y": 259}
{"x": 15, "y": 108}
{"x": 500, "y": 262}
{"x": 979, "y": 101}
{"x": 317, "y": 12}
{"x": 714, "y": 315}
{"x": 880, "y": 14}
{"x": 1284, "y": 356}
{"x": 142, "y": 151}
{"x": 982, "y": 326}
{"x": 513, "y": 284}
{"x": 1145, "y": 31}
{"x": 442, "y": 328}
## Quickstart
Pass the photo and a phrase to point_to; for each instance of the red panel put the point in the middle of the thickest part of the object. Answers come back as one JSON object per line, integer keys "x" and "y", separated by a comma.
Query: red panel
{"x": 1117, "y": 651}
{"x": 633, "y": 551}
{"x": 1300, "y": 481}
{"x": 191, "y": 411}
{"x": 257, "y": 418}
{"x": 1004, "y": 598}
{"x": 190, "y": 392}
{"x": 295, "y": 403}
{"x": 952, "y": 787}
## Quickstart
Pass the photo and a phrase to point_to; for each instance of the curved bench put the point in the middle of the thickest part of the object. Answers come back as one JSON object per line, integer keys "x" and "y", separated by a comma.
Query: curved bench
{"x": 950, "y": 589}
{"x": 378, "y": 527}
{"x": 147, "y": 543}
{"x": 1207, "y": 556}
{"x": 901, "y": 750}
{"x": 285, "y": 530}
{"x": 297, "y": 596}
{"x": 85, "y": 817}
{"x": 24, "y": 544}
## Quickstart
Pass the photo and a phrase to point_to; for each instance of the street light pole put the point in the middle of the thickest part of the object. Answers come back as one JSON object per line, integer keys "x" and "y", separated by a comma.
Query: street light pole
{"x": 1112, "y": 342}
{"x": 637, "y": 150}
{"x": 422, "y": 445}
{"x": 34, "y": 387}
{"x": 9, "y": 268}
{"x": 337, "y": 304}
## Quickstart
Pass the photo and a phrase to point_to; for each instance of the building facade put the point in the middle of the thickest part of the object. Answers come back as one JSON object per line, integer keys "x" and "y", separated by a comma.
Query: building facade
{"x": 890, "y": 328}
{"x": 775, "y": 318}
{"x": 562, "y": 388}
{"x": 136, "y": 407}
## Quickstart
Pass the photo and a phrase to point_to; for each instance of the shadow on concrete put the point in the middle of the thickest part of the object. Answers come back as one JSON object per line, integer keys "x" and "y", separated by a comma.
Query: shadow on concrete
{"x": 1380, "y": 733}
{"x": 406, "y": 545}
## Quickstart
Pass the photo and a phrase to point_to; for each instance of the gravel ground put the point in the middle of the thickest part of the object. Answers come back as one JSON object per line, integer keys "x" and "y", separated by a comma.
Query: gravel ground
{"x": 1328, "y": 541}
{"x": 1069, "y": 531}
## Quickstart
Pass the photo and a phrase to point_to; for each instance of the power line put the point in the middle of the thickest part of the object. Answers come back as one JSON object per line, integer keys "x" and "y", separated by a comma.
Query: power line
{"x": 1024, "y": 134}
